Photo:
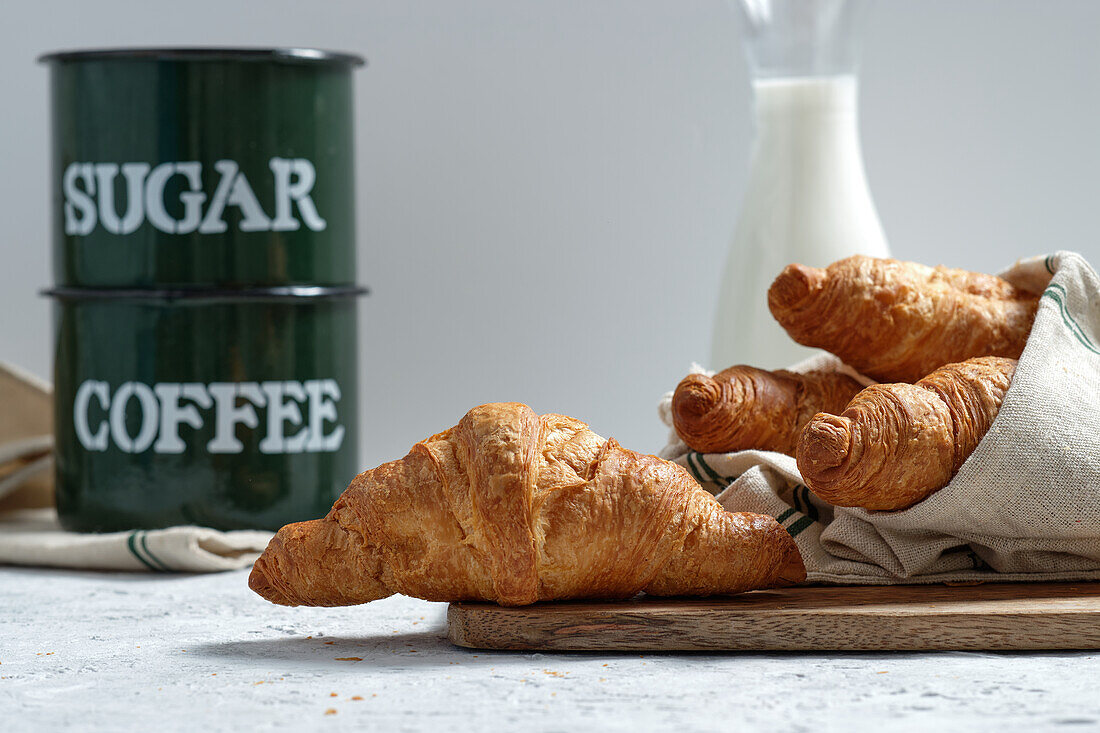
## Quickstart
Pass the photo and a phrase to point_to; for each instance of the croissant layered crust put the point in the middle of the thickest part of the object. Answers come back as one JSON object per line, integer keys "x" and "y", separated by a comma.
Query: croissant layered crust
{"x": 899, "y": 321}
{"x": 513, "y": 507}
{"x": 896, "y": 444}
{"x": 745, "y": 408}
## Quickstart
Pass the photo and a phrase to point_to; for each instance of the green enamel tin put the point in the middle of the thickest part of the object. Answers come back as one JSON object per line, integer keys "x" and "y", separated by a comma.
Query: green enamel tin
{"x": 205, "y": 306}
{"x": 202, "y": 167}
{"x": 227, "y": 413}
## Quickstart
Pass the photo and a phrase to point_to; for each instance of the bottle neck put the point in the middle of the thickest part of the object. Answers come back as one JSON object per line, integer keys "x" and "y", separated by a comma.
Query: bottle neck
{"x": 821, "y": 98}
{"x": 795, "y": 38}
{"x": 804, "y": 113}
{"x": 807, "y": 131}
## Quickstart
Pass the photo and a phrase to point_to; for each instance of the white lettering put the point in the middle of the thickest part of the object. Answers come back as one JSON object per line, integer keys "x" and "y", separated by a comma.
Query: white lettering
{"x": 233, "y": 190}
{"x": 191, "y": 199}
{"x": 79, "y": 201}
{"x": 148, "y": 428}
{"x": 253, "y": 217}
{"x": 90, "y": 198}
{"x": 321, "y": 409}
{"x": 96, "y": 441}
{"x": 164, "y": 408}
{"x": 212, "y": 223}
{"x": 280, "y": 411}
{"x": 173, "y": 414}
{"x": 287, "y": 191}
{"x": 227, "y": 415}
{"x": 134, "y": 173}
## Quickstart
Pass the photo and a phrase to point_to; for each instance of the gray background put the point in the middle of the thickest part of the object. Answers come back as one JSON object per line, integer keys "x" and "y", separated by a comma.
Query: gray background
{"x": 547, "y": 189}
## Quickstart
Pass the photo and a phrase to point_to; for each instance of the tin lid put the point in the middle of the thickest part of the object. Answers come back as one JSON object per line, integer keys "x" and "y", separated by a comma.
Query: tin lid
{"x": 285, "y": 293}
{"x": 210, "y": 53}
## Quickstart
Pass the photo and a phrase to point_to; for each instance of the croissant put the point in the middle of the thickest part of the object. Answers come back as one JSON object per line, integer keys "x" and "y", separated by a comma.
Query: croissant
{"x": 896, "y": 444}
{"x": 898, "y": 321}
{"x": 513, "y": 507}
{"x": 743, "y": 408}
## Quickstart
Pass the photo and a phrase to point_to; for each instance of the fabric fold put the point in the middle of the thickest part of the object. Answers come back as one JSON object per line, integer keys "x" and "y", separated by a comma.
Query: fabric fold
{"x": 35, "y": 537}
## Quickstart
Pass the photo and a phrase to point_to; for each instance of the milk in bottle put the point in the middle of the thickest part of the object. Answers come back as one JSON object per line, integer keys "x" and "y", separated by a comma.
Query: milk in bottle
{"x": 807, "y": 198}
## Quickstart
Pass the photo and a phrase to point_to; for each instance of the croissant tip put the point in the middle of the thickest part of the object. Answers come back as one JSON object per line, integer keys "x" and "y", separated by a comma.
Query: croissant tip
{"x": 824, "y": 444}
{"x": 793, "y": 286}
{"x": 793, "y": 572}
{"x": 261, "y": 584}
{"x": 696, "y": 395}
{"x": 267, "y": 580}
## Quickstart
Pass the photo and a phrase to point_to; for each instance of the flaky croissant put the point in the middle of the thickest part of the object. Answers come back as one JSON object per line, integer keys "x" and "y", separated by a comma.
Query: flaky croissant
{"x": 898, "y": 321}
{"x": 743, "y": 408}
{"x": 511, "y": 507}
{"x": 896, "y": 444}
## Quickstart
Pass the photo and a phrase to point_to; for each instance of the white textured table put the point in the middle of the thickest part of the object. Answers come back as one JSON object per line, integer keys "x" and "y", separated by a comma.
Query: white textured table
{"x": 176, "y": 652}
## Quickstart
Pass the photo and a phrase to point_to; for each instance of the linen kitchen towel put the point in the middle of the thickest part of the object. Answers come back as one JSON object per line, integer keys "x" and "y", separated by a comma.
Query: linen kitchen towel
{"x": 34, "y": 537}
{"x": 26, "y": 440}
{"x": 1024, "y": 506}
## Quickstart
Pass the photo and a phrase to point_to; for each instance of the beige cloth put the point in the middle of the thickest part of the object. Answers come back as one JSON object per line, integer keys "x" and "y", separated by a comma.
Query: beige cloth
{"x": 1024, "y": 506}
{"x": 34, "y": 537}
{"x": 26, "y": 440}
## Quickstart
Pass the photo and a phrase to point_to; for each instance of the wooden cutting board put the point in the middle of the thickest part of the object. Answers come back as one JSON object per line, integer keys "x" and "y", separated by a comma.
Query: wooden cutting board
{"x": 982, "y": 617}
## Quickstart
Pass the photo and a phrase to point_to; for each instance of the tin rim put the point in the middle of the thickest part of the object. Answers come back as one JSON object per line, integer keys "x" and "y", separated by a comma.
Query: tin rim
{"x": 283, "y": 292}
{"x": 292, "y": 55}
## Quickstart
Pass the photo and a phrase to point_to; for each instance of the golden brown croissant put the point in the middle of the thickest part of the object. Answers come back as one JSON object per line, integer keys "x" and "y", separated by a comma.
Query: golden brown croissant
{"x": 511, "y": 507}
{"x": 898, "y": 321}
{"x": 896, "y": 444}
{"x": 743, "y": 408}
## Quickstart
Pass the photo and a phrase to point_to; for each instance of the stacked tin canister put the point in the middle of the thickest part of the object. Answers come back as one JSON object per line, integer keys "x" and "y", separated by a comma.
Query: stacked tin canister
{"x": 205, "y": 292}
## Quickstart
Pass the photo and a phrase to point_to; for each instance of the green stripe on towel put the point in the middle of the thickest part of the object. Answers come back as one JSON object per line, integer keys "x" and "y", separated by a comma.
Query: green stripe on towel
{"x": 156, "y": 560}
{"x": 694, "y": 471}
{"x": 811, "y": 510}
{"x": 1057, "y": 294}
{"x": 130, "y": 542}
{"x": 139, "y": 548}
{"x": 715, "y": 476}
{"x": 796, "y": 528}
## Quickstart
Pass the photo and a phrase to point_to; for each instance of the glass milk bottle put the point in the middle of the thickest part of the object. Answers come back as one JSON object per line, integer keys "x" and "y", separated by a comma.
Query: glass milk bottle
{"x": 807, "y": 199}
